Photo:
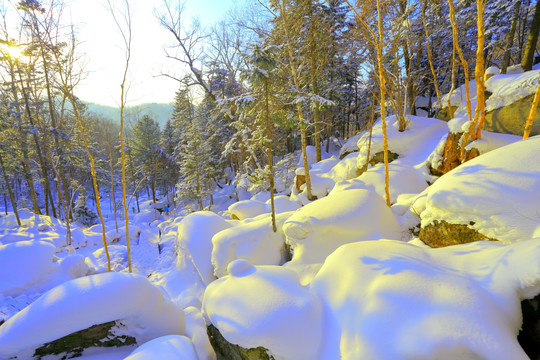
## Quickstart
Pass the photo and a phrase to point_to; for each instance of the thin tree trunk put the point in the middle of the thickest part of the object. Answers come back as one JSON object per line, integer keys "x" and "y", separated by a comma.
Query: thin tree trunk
{"x": 382, "y": 102}
{"x": 301, "y": 121}
{"x": 270, "y": 137}
{"x": 10, "y": 191}
{"x": 480, "y": 113}
{"x": 510, "y": 37}
{"x": 430, "y": 54}
{"x": 530, "y": 48}
{"x": 455, "y": 37}
{"x": 532, "y": 112}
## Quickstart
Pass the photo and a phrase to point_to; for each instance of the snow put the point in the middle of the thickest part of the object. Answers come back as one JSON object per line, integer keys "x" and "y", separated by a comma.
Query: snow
{"x": 266, "y": 306}
{"x": 459, "y": 302}
{"x": 78, "y": 304}
{"x": 412, "y": 145}
{"x": 24, "y": 263}
{"x": 171, "y": 347}
{"x": 499, "y": 192}
{"x": 254, "y": 241}
{"x": 247, "y": 209}
{"x": 507, "y": 89}
{"x": 317, "y": 229}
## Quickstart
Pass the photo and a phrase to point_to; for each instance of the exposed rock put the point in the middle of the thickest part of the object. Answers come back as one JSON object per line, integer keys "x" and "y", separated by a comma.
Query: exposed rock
{"x": 452, "y": 154}
{"x": 441, "y": 234}
{"x": 227, "y": 351}
{"x": 510, "y": 119}
{"x": 529, "y": 336}
{"x": 299, "y": 181}
{"x": 377, "y": 158}
{"x": 73, "y": 345}
{"x": 444, "y": 114}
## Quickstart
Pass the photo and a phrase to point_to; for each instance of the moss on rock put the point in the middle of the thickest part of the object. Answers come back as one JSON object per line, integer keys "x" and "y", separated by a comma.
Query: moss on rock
{"x": 227, "y": 351}
{"x": 442, "y": 233}
{"x": 73, "y": 345}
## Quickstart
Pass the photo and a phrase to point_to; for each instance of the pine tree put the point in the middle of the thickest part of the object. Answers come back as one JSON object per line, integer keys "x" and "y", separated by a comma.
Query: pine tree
{"x": 82, "y": 213}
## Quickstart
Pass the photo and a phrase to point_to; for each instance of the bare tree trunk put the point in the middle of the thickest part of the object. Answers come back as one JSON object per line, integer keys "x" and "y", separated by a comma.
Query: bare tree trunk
{"x": 480, "y": 113}
{"x": 510, "y": 37}
{"x": 532, "y": 112}
{"x": 126, "y": 35}
{"x": 430, "y": 55}
{"x": 301, "y": 121}
{"x": 382, "y": 102}
{"x": 530, "y": 48}
{"x": 270, "y": 137}
{"x": 455, "y": 37}
{"x": 10, "y": 191}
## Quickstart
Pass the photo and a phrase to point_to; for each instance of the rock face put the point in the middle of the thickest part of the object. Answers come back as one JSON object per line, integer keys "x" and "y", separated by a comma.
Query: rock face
{"x": 444, "y": 114}
{"x": 227, "y": 351}
{"x": 452, "y": 153}
{"x": 377, "y": 158}
{"x": 441, "y": 234}
{"x": 72, "y": 345}
{"x": 510, "y": 119}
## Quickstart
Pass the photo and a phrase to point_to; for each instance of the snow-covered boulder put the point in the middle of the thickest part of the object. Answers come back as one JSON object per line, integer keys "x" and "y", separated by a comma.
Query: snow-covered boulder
{"x": 170, "y": 347}
{"x": 320, "y": 227}
{"x": 246, "y": 209}
{"x": 78, "y": 304}
{"x": 24, "y": 263}
{"x": 282, "y": 203}
{"x": 254, "y": 241}
{"x": 496, "y": 195}
{"x": 266, "y": 306}
{"x": 193, "y": 270}
{"x": 460, "y": 302}
{"x": 403, "y": 179}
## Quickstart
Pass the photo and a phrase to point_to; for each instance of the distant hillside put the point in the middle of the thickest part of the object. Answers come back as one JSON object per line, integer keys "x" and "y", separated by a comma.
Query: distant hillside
{"x": 159, "y": 112}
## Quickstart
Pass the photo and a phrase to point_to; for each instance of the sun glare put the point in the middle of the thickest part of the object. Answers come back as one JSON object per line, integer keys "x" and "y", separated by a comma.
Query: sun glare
{"x": 14, "y": 51}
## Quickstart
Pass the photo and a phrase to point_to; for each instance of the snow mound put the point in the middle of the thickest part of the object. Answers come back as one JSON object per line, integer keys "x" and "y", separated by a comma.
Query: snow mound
{"x": 420, "y": 130}
{"x": 78, "y": 304}
{"x": 403, "y": 179}
{"x": 246, "y": 209}
{"x": 499, "y": 192}
{"x": 458, "y": 302}
{"x": 507, "y": 89}
{"x": 193, "y": 270}
{"x": 24, "y": 263}
{"x": 320, "y": 227}
{"x": 282, "y": 203}
{"x": 254, "y": 241}
{"x": 266, "y": 306}
{"x": 171, "y": 347}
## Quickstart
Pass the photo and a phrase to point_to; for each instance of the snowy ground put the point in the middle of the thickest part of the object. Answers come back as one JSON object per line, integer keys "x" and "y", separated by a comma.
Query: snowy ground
{"x": 357, "y": 278}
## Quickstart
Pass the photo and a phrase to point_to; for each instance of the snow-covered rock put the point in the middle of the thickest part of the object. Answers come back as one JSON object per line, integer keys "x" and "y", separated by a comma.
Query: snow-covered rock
{"x": 246, "y": 209}
{"x": 170, "y": 347}
{"x": 266, "y": 306}
{"x": 319, "y": 228}
{"x": 78, "y": 304}
{"x": 496, "y": 194}
{"x": 24, "y": 263}
{"x": 460, "y": 302}
{"x": 254, "y": 241}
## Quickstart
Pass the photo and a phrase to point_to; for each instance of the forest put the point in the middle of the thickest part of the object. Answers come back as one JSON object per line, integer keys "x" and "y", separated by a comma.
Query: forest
{"x": 300, "y": 130}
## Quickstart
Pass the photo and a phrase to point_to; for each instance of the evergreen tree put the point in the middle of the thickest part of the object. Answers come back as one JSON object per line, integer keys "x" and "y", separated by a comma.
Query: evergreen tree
{"x": 82, "y": 213}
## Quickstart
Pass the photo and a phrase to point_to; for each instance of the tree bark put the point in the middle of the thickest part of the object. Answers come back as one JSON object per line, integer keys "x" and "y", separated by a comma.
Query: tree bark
{"x": 510, "y": 37}
{"x": 530, "y": 48}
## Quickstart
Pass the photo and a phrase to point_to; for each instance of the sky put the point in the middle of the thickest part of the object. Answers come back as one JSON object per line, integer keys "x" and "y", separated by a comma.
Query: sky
{"x": 104, "y": 51}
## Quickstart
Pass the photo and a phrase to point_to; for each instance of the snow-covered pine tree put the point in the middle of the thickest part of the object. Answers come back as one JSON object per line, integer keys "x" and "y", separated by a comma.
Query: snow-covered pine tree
{"x": 82, "y": 213}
